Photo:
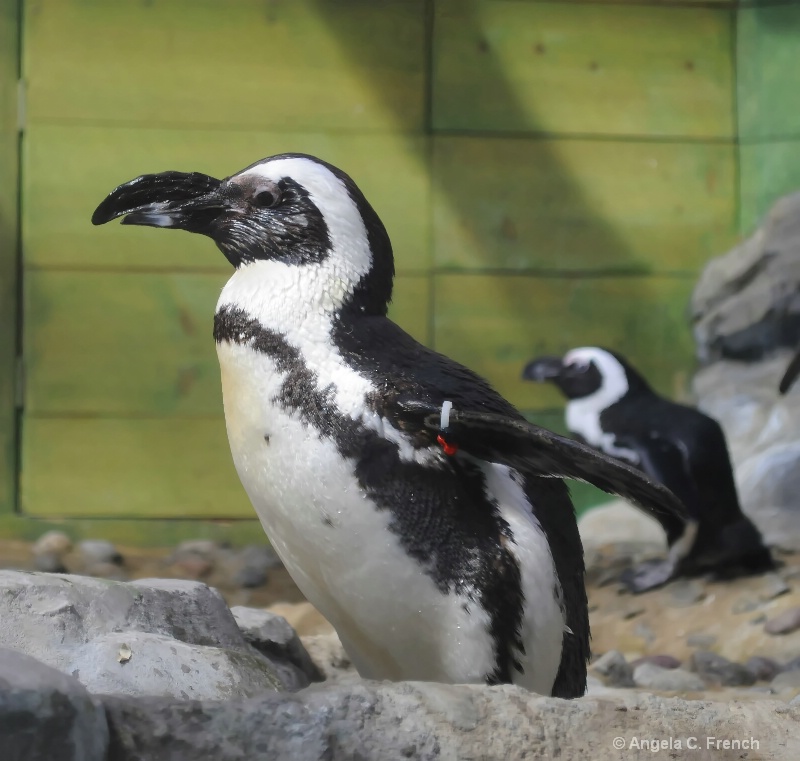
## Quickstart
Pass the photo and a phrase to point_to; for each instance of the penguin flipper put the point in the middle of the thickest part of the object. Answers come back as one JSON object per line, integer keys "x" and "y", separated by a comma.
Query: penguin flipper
{"x": 789, "y": 377}
{"x": 527, "y": 447}
{"x": 666, "y": 462}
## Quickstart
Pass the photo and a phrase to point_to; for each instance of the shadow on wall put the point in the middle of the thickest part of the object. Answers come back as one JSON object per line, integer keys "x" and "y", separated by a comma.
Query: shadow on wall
{"x": 504, "y": 204}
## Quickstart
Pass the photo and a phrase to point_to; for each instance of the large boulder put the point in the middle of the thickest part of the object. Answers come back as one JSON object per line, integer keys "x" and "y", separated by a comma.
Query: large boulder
{"x": 747, "y": 302}
{"x": 150, "y": 637}
{"x": 375, "y": 721}
{"x": 45, "y": 714}
{"x": 746, "y": 321}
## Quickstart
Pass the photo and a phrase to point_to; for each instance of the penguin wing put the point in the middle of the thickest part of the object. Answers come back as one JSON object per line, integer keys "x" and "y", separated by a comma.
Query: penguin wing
{"x": 789, "y": 377}
{"x": 667, "y": 462}
{"x": 530, "y": 448}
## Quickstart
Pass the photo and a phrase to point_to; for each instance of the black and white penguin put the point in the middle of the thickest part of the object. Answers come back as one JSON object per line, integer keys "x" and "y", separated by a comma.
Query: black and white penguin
{"x": 613, "y": 408}
{"x": 412, "y": 505}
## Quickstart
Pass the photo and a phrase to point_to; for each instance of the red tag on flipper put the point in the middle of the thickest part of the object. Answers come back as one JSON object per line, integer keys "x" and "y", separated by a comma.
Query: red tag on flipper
{"x": 449, "y": 449}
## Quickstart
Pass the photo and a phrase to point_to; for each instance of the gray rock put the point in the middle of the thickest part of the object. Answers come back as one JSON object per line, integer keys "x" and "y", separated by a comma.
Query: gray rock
{"x": 700, "y": 640}
{"x": 786, "y": 681}
{"x": 685, "y": 592}
{"x": 173, "y": 629}
{"x": 272, "y": 635}
{"x": 428, "y": 722}
{"x": 55, "y": 542}
{"x": 784, "y": 623}
{"x": 249, "y": 567}
{"x": 717, "y": 670}
{"x": 653, "y": 677}
{"x": 792, "y": 665}
{"x": 619, "y": 522}
{"x": 49, "y": 551}
{"x": 746, "y": 302}
{"x": 615, "y": 668}
{"x": 746, "y": 321}
{"x": 96, "y": 551}
{"x": 662, "y": 660}
{"x": 772, "y": 586}
{"x": 45, "y": 714}
{"x": 49, "y": 562}
{"x": 329, "y": 656}
{"x": 140, "y": 663}
{"x": 763, "y": 669}
{"x": 745, "y": 604}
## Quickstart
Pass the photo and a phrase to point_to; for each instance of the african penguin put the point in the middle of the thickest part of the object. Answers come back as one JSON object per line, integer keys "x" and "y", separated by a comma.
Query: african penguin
{"x": 433, "y": 560}
{"x": 613, "y": 408}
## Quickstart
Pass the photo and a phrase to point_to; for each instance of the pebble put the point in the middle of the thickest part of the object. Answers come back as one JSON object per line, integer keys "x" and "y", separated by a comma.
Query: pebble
{"x": 763, "y": 669}
{"x": 786, "y": 681}
{"x": 205, "y": 548}
{"x": 745, "y": 604}
{"x": 795, "y": 701}
{"x": 615, "y": 668}
{"x": 96, "y": 551}
{"x": 49, "y": 550}
{"x": 784, "y": 623}
{"x": 104, "y": 570}
{"x": 49, "y": 562}
{"x": 772, "y": 586}
{"x": 56, "y": 542}
{"x": 652, "y": 677}
{"x": 700, "y": 640}
{"x": 792, "y": 665}
{"x": 718, "y": 670}
{"x": 685, "y": 592}
{"x": 249, "y": 567}
{"x": 663, "y": 661}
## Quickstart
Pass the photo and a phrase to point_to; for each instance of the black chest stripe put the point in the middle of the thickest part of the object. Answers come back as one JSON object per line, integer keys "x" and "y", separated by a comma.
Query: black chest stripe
{"x": 441, "y": 516}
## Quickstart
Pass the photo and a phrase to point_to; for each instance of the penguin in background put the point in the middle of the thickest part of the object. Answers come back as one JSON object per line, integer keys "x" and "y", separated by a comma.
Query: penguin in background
{"x": 411, "y": 503}
{"x": 612, "y": 407}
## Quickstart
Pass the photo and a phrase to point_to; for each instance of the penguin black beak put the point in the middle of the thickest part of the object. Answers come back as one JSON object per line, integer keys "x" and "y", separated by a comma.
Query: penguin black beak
{"x": 543, "y": 369}
{"x": 170, "y": 199}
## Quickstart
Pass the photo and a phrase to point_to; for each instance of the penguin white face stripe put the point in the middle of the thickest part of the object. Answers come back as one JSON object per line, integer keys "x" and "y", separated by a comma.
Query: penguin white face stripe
{"x": 583, "y": 414}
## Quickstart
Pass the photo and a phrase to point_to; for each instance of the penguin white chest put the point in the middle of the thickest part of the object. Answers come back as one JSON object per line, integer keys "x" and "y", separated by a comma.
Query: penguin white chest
{"x": 338, "y": 544}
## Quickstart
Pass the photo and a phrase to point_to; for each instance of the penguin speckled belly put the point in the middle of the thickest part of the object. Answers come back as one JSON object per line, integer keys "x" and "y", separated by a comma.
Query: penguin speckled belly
{"x": 438, "y": 552}
{"x": 612, "y": 407}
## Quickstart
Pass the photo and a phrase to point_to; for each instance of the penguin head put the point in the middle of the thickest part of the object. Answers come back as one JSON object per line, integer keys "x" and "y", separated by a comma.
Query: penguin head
{"x": 585, "y": 372}
{"x": 293, "y": 209}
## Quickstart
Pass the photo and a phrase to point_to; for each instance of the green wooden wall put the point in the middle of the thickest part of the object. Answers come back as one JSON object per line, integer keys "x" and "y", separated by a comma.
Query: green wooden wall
{"x": 9, "y": 143}
{"x": 551, "y": 174}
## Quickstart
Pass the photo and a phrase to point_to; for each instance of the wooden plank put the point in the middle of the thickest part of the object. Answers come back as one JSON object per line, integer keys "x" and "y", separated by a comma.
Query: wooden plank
{"x": 768, "y": 77}
{"x": 9, "y": 50}
{"x": 380, "y": 50}
{"x": 411, "y": 306}
{"x": 583, "y": 69}
{"x": 767, "y": 172}
{"x": 123, "y": 468}
{"x": 496, "y": 324}
{"x": 69, "y": 170}
{"x": 105, "y": 343}
{"x": 581, "y": 205}
{"x": 112, "y": 343}
{"x": 234, "y": 64}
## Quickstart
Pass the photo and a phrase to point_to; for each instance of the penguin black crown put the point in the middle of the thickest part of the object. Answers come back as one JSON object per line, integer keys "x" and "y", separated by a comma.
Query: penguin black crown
{"x": 440, "y": 543}
{"x": 612, "y": 407}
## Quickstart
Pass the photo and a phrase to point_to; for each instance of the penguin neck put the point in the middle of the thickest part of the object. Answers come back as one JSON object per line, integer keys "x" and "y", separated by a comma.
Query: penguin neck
{"x": 297, "y": 299}
{"x": 614, "y": 387}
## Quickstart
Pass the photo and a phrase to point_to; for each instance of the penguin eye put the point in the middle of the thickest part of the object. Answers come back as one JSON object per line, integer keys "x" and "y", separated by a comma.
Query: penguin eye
{"x": 266, "y": 197}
